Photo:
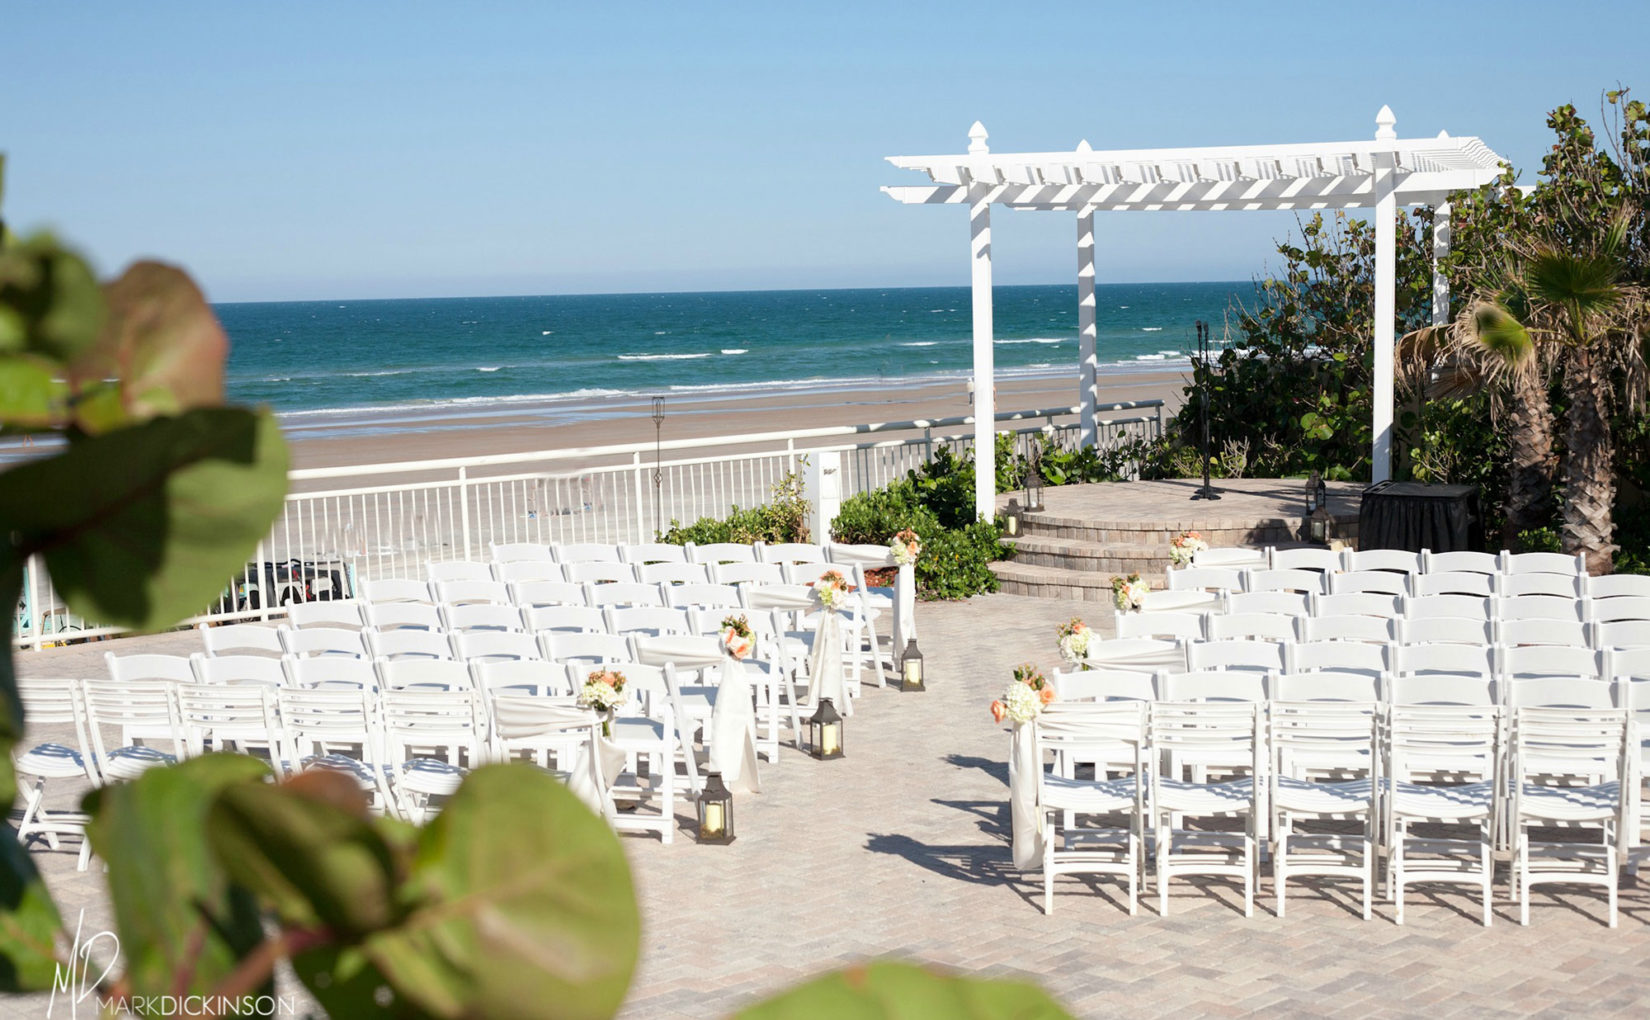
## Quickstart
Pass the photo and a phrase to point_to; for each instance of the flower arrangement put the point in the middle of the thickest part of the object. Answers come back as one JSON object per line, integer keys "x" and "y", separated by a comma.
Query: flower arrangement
{"x": 604, "y": 691}
{"x": 1025, "y": 697}
{"x": 1129, "y": 592}
{"x": 832, "y": 589}
{"x": 1184, "y": 546}
{"x": 737, "y": 637}
{"x": 1074, "y": 640}
{"x": 906, "y": 547}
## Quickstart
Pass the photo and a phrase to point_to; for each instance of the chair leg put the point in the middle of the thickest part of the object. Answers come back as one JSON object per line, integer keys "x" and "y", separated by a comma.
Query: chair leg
{"x": 1280, "y": 867}
{"x": 1162, "y": 870}
{"x": 1048, "y": 872}
{"x": 1249, "y": 875}
{"x": 1610, "y": 864}
{"x": 1368, "y": 876}
{"x": 1395, "y": 872}
{"x": 1134, "y": 873}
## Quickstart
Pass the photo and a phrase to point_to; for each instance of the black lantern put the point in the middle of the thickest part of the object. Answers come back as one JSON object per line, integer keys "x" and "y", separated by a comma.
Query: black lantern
{"x": 1312, "y": 489}
{"x": 910, "y": 665}
{"x": 1319, "y": 524}
{"x": 715, "y": 807}
{"x": 825, "y": 731}
{"x": 1011, "y": 518}
{"x": 1034, "y": 481}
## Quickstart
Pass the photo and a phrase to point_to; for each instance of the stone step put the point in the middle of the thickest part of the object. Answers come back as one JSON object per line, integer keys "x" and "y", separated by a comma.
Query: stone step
{"x": 1019, "y": 578}
{"x": 1076, "y": 554}
{"x": 1158, "y": 534}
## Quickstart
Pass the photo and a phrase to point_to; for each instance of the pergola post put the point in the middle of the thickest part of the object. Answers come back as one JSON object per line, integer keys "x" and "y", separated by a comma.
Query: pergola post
{"x": 1386, "y": 312}
{"x": 985, "y": 368}
{"x": 1440, "y": 251}
{"x": 1087, "y": 327}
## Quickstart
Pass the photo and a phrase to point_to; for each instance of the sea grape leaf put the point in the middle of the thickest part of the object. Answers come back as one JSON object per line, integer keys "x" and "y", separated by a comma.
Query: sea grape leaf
{"x": 903, "y": 991}
{"x": 52, "y": 294}
{"x": 140, "y": 527}
{"x": 160, "y": 343}
{"x": 28, "y": 920}
{"x": 32, "y": 396}
{"x": 308, "y": 849}
{"x": 522, "y": 905}
{"x": 177, "y": 913}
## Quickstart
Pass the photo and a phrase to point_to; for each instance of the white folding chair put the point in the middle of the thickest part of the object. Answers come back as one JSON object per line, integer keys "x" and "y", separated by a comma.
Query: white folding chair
{"x": 1460, "y": 562}
{"x": 1309, "y": 582}
{"x": 1460, "y": 675}
{"x": 329, "y": 673}
{"x": 149, "y": 667}
{"x": 1538, "y": 607}
{"x": 1136, "y": 653}
{"x": 747, "y": 572}
{"x": 1564, "y": 633}
{"x": 704, "y": 596}
{"x": 1324, "y": 769}
{"x": 1289, "y": 603}
{"x": 385, "y": 616}
{"x": 599, "y": 572}
{"x": 143, "y": 713}
{"x": 1265, "y": 656}
{"x": 520, "y": 552}
{"x": 1379, "y": 582}
{"x": 584, "y": 552}
{"x": 1103, "y": 685}
{"x": 488, "y": 645}
{"x": 1212, "y": 685}
{"x": 1615, "y": 586}
{"x": 1568, "y": 771}
{"x": 1326, "y": 685}
{"x": 575, "y": 618}
{"x": 647, "y": 732}
{"x": 653, "y": 552}
{"x": 409, "y": 644}
{"x": 1213, "y": 580}
{"x": 649, "y": 620}
{"x": 1341, "y": 656}
{"x": 1553, "y": 586}
{"x": 480, "y": 616}
{"x": 1559, "y": 692}
{"x": 1452, "y": 582}
{"x": 396, "y": 589}
{"x": 1346, "y": 628}
{"x": 1189, "y": 600}
{"x": 240, "y": 639}
{"x": 229, "y": 670}
{"x": 218, "y": 717}
{"x": 340, "y": 613}
{"x": 791, "y": 553}
{"x": 1074, "y": 731}
{"x": 1514, "y": 564}
{"x": 672, "y": 573}
{"x": 1373, "y": 604}
{"x": 1458, "y": 607}
{"x": 1163, "y": 626}
{"x": 1622, "y": 634}
{"x": 1251, "y": 626}
{"x": 1422, "y": 740}
{"x": 1630, "y": 608}
{"x": 534, "y": 594}
{"x": 472, "y": 592}
{"x": 1444, "y": 630}
{"x": 542, "y": 728}
{"x": 1327, "y": 561}
{"x": 722, "y": 552}
{"x": 535, "y": 676}
{"x": 335, "y": 730}
{"x": 566, "y": 646}
{"x": 1395, "y": 560}
{"x": 1220, "y": 737}
{"x": 54, "y": 704}
{"x": 522, "y": 571}
{"x": 1231, "y": 556}
{"x": 422, "y": 674}
{"x": 624, "y": 593}
{"x": 331, "y": 642}
{"x": 1517, "y": 661}
{"x": 442, "y": 571}
{"x": 431, "y": 739}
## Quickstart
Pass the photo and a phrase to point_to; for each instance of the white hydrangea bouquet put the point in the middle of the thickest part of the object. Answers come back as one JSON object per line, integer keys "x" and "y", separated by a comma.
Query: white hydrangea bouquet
{"x": 1025, "y": 697}
{"x": 1184, "y": 546}
{"x": 1074, "y": 640}
{"x": 832, "y": 589}
{"x": 1129, "y": 592}
{"x": 604, "y": 691}
{"x": 906, "y": 547}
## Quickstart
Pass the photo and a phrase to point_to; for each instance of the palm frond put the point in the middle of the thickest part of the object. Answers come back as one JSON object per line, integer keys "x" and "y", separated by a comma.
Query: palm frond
{"x": 1499, "y": 333}
{"x": 1584, "y": 285}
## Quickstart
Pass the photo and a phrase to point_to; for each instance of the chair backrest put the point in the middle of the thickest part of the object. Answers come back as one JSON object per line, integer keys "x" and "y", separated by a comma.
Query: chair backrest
{"x": 650, "y": 693}
{"x": 516, "y": 571}
{"x": 1346, "y": 628}
{"x": 1323, "y": 735}
{"x": 528, "y": 594}
{"x": 1615, "y": 586}
{"x": 1312, "y": 558}
{"x": 1514, "y": 564}
{"x": 327, "y": 641}
{"x": 240, "y": 639}
{"x": 1219, "y": 733}
{"x": 1078, "y": 727}
{"x": 523, "y": 723}
{"x": 783, "y": 597}
{"x": 1162, "y": 600}
{"x": 1452, "y": 582}
{"x": 1383, "y": 582}
{"x": 222, "y": 670}
{"x": 1264, "y": 656}
{"x": 1442, "y": 689}
{"x": 1634, "y": 608}
{"x": 1308, "y": 581}
{"x": 409, "y": 644}
{"x": 1626, "y": 663}
{"x": 584, "y": 552}
{"x": 1463, "y": 739}
{"x": 1566, "y": 741}
{"x": 1230, "y": 556}
{"x": 1559, "y": 692}
{"x": 535, "y": 676}
{"x": 1290, "y": 603}
{"x": 439, "y": 571}
{"x": 1122, "y": 651}
{"x": 1184, "y": 626}
{"x": 1343, "y": 656}
{"x": 521, "y": 552}
{"x": 487, "y": 645}
{"x": 625, "y": 593}
{"x": 1539, "y": 607}
{"x": 1461, "y": 561}
{"x": 575, "y": 618}
{"x": 49, "y": 702}
{"x": 1103, "y": 685}
{"x": 1622, "y": 634}
{"x": 327, "y": 721}
{"x": 1253, "y": 626}
{"x": 329, "y": 673}
{"x": 1357, "y": 604}
{"x": 561, "y": 646}
{"x": 747, "y": 572}
{"x": 1459, "y": 607}
{"x": 1326, "y": 685}
{"x": 451, "y": 723}
{"x": 1224, "y": 579}
{"x": 1395, "y": 560}
{"x": 653, "y": 552}
{"x": 217, "y": 713}
{"x": 851, "y": 554}
{"x": 139, "y": 709}
{"x": 144, "y": 667}
{"x": 1443, "y": 630}
{"x": 396, "y": 589}
{"x": 1554, "y": 587}
{"x": 341, "y": 613}
{"x": 437, "y": 674}
{"x": 686, "y": 596}
{"x": 473, "y": 592}
{"x": 1212, "y": 685}
{"x": 1417, "y": 660}
{"x": 481, "y": 616}
{"x": 397, "y": 615}
{"x": 1549, "y": 660}
{"x": 722, "y": 552}
{"x": 791, "y": 552}
{"x": 1543, "y": 632}
{"x": 646, "y": 619}
{"x": 672, "y": 573}
{"x": 600, "y": 572}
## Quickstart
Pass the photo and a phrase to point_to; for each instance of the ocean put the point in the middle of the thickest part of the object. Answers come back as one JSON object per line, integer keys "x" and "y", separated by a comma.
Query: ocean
{"x": 312, "y": 361}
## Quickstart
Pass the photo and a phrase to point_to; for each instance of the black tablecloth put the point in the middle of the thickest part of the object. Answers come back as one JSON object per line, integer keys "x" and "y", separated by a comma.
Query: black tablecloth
{"x": 1413, "y": 516}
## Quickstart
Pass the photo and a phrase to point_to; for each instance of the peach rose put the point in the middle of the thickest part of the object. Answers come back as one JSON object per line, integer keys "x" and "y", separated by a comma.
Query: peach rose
{"x": 738, "y": 646}
{"x": 1045, "y": 695}
{"x": 998, "y": 711}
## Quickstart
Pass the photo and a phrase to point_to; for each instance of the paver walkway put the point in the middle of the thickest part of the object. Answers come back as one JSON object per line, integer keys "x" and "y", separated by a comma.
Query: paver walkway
{"x": 900, "y": 849}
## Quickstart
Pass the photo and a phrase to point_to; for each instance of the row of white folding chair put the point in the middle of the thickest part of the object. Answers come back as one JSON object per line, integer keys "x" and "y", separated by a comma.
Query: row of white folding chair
{"x": 1393, "y": 560}
{"x": 661, "y": 552}
{"x": 1418, "y": 629}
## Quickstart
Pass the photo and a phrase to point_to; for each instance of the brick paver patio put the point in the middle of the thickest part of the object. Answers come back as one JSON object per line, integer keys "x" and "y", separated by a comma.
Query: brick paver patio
{"x": 900, "y": 849}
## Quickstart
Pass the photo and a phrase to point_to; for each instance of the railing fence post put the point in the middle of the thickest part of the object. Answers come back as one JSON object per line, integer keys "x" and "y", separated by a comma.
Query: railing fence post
{"x": 464, "y": 510}
{"x": 641, "y": 497}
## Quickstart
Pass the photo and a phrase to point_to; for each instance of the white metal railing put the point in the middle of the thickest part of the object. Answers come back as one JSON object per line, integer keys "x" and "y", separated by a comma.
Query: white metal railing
{"x": 346, "y": 524}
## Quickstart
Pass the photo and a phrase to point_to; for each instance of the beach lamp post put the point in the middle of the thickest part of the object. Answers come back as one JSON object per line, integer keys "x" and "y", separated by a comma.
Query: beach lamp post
{"x": 1206, "y": 491}
{"x": 715, "y": 809}
{"x": 910, "y": 664}
{"x": 1034, "y": 481}
{"x": 825, "y": 731}
{"x": 658, "y": 456}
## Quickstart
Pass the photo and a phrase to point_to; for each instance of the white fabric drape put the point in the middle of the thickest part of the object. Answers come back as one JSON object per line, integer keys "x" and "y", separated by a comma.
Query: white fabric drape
{"x": 825, "y": 679}
{"x": 1024, "y": 781}
{"x": 733, "y": 730}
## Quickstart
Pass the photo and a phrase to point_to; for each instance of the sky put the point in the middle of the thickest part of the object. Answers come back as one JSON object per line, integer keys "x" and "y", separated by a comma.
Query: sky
{"x": 353, "y": 150}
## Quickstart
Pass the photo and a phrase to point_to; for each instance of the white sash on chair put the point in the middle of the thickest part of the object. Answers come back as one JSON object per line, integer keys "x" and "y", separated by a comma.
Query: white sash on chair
{"x": 1025, "y": 774}
{"x": 733, "y": 731}
{"x": 825, "y": 678}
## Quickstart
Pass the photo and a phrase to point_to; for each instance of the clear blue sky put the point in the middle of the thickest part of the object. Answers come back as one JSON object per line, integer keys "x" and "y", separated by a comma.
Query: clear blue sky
{"x": 357, "y": 150}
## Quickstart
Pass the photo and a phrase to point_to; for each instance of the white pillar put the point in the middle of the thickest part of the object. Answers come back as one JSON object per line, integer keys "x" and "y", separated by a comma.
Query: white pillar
{"x": 1386, "y": 309}
{"x": 1086, "y": 325}
{"x": 1440, "y": 251}
{"x": 985, "y": 368}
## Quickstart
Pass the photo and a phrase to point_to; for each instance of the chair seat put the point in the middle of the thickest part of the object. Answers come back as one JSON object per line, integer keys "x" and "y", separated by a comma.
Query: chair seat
{"x": 1444, "y": 803}
{"x": 430, "y": 776}
{"x": 1569, "y": 803}
{"x": 1087, "y": 796}
{"x": 638, "y": 730}
{"x": 1326, "y": 798}
{"x": 52, "y": 761}
{"x": 134, "y": 760}
{"x": 1205, "y": 798}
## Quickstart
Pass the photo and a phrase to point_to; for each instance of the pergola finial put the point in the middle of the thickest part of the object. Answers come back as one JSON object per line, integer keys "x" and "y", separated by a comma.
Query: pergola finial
{"x": 1384, "y": 122}
{"x": 1083, "y": 146}
{"x": 976, "y": 139}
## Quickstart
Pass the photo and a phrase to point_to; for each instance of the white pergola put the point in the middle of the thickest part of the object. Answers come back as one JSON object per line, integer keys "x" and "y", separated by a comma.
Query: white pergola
{"x": 1383, "y": 173}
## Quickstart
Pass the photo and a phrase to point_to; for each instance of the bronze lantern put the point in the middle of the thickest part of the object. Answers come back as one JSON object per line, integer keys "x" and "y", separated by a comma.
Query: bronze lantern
{"x": 825, "y": 731}
{"x": 911, "y": 675}
{"x": 1034, "y": 482}
{"x": 1011, "y": 518}
{"x": 715, "y": 808}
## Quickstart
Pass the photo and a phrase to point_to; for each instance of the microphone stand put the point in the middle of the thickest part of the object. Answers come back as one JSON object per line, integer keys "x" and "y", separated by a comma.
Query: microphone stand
{"x": 1207, "y": 491}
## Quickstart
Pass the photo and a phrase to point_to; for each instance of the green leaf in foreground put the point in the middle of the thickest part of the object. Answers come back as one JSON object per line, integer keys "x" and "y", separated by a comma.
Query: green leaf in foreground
{"x": 28, "y": 920}
{"x": 140, "y": 527}
{"x": 177, "y": 913}
{"x": 522, "y": 906}
{"x": 903, "y": 991}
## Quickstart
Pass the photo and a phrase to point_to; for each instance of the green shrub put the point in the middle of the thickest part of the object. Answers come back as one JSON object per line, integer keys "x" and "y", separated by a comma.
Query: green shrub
{"x": 784, "y": 518}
